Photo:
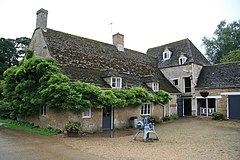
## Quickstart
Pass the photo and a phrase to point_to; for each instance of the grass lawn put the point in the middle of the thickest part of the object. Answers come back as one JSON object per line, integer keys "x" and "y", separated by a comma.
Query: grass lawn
{"x": 28, "y": 127}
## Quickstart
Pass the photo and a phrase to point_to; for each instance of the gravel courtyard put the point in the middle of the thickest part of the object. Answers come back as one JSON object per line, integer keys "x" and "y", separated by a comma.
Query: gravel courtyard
{"x": 183, "y": 139}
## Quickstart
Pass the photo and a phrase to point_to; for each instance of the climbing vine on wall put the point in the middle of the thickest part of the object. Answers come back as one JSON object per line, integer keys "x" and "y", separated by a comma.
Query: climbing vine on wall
{"x": 38, "y": 82}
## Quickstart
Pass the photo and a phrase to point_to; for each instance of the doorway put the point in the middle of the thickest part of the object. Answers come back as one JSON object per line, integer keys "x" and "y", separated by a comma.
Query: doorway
{"x": 107, "y": 118}
{"x": 234, "y": 106}
{"x": 187, "y": 107}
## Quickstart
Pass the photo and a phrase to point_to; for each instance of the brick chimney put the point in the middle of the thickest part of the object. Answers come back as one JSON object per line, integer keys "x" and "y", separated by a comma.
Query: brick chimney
{"x": 42, "y": 19}
{"x": 118, "y": 41}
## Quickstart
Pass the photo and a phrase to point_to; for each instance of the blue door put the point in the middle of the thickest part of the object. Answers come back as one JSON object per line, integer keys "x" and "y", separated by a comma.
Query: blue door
{"x": 107, "y": 118}
{"x": 234, "y": 107}
{"x": 180, "y": 107}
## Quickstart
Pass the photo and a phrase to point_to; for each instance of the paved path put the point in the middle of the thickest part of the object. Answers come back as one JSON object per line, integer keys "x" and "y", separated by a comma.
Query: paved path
{"x": 15, "y": 145}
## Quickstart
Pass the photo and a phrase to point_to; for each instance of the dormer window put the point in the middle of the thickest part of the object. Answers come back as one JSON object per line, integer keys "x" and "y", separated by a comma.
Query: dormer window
{"x": 182, "y": 60}
{"x": 155, "y": 87}
{"x": 116, "y": 82}
{"x": 167, "y": 54}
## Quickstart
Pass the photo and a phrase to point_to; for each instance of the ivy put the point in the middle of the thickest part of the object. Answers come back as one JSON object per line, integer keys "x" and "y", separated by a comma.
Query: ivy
{"x": 38, "y": 82}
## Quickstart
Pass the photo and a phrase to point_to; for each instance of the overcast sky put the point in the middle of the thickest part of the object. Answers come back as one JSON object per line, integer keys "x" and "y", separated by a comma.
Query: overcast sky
{"x": 144, "y": 23}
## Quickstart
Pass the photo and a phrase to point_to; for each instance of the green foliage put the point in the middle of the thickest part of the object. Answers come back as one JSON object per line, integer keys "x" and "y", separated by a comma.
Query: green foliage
{"x": 107, "y": 98}
{"x": 73, "y": 126}
{"x": 1, "y": 89}
{"x": 38, "y": 82}
{"x": 22, "y": 85}
{"x": 10, "y": 51}
{"x": 174, "y": 117}
{"x": 154, "y": 119}
{"x": 30, "y": 127}
{"x": 140, "y": 95}
{"x": 166, "y": 118}
{"x": 226, "y": 39}
{"x": 161, "y": 97}
{"x": 232, "y": 56}
{"x": 218, "y": 116}
{"x": 89, "y": 93}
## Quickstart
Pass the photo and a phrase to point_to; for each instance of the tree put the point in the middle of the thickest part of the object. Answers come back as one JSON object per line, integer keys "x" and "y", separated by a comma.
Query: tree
{"x": 10, "y": 51}
{"x": 23, "y": 83}
{"x": 232, "y": 56}
{"x": 226, "y": 39}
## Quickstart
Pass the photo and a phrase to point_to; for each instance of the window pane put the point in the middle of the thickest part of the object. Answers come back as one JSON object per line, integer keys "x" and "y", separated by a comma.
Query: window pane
{"x": 118, "y": 82}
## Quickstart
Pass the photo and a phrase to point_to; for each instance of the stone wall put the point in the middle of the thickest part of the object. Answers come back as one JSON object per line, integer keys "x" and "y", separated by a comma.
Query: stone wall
{"x": 180, "y": 72}
{"x": 58, "y": 118}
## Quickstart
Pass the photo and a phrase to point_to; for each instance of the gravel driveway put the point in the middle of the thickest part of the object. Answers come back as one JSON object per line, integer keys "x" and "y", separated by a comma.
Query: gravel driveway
{"x": 183, "y": 139}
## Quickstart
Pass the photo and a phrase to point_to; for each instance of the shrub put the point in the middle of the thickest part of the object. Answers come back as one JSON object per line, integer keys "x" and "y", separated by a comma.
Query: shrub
{"x": 72, "y": 126}
{"x": 166, "y": 118}
{"x": 217, "y": 116}
{"x": 154, "y": 119}
{"x": 174, "y": 117}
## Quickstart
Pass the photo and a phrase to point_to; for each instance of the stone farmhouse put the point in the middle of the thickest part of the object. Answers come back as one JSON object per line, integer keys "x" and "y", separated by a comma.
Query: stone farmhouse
{"x": 178, "y": 68}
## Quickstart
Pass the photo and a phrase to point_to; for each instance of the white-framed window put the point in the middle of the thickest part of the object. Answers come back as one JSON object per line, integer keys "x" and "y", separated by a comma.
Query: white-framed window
{"x": 116, "y": 82}
{"x": 182, "y": 59}
{"x": 167, "y": 54}
{"x": 87, "y": 114}
{"x": 146, "y": 109}
{"x": 155, "y": 87}
{"x": 43, "y": 111}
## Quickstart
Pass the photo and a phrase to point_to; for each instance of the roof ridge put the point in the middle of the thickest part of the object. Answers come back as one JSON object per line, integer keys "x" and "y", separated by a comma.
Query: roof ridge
{"x": 222, "y": 64}
{"x": 138, "y": 52}
{"x": 185, "y": 39}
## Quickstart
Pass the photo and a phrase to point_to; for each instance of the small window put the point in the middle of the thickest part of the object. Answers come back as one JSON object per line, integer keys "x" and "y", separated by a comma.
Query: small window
{"x": 166, "y": 54}
{"x": 146, "y": 109}
{"x": 175, "y": 82}
{"x": 87, "y": 114}
{"x": 182, "y": 60}
{"x": 116, "y": 82}
{"x": 155, "y": 87}
{"x": 43, "y": 111}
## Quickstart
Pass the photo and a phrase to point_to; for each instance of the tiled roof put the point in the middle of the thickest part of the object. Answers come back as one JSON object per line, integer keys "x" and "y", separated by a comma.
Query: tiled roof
{"x": 90, "y": 61}
{"x": 183, "y": 47}
{"x": 220, "y": 76}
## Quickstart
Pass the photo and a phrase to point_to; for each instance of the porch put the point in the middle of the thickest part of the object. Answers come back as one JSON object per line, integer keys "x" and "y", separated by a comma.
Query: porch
{"x": 206, "y": 106}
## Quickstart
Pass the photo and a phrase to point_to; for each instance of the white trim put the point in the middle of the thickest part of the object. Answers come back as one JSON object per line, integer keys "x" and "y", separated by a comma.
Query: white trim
{"x": 200, "y": 97}
{"x": 120, "y": 78}
{"x": 155, "y": 86}
{"x": 169, "y": 112}
{"x": 216, "y": 106}
{"x": 90, "y": 114}
{"x": 196, "y": 104}
{"x": 43, "y": 111}
{"x": 168, "y": 54}
{"x": 149, "y": 105}
{"x": 227, "y": 109}
{"x": 230, "y": 93}
{"x": 182, "y": 60}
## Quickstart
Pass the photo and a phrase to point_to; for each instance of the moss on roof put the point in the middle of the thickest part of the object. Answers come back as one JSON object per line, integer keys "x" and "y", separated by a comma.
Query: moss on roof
{"x": 226, "y": 75}
{"x": 87, "y": 60}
